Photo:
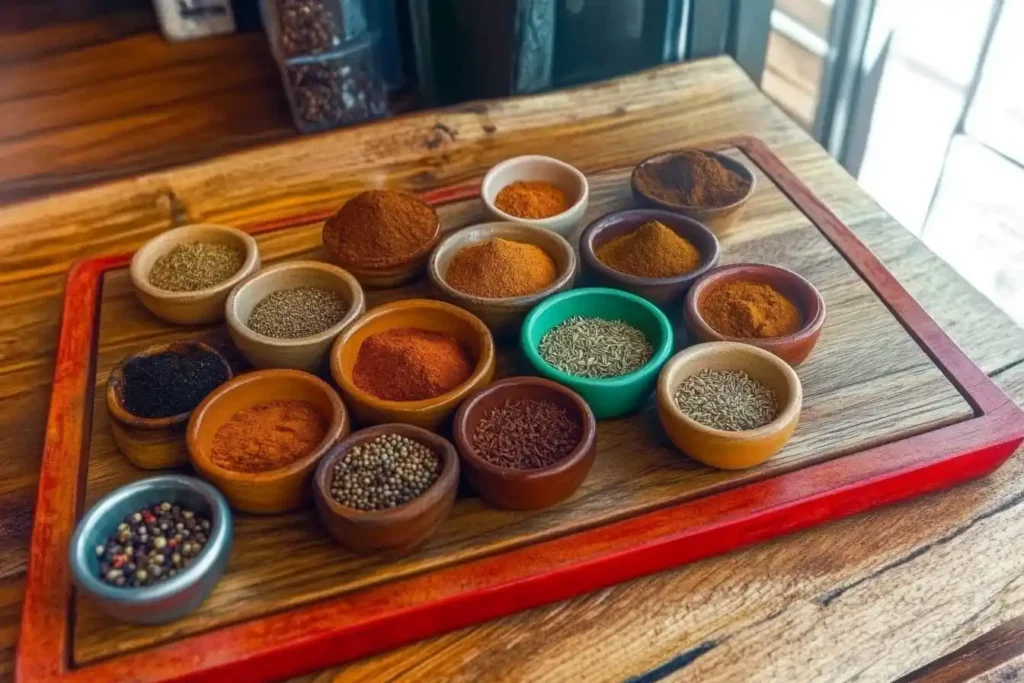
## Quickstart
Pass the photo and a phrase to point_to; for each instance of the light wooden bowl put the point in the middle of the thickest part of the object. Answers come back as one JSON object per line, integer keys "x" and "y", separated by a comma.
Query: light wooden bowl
{"x": 538, "y": 167}
{"x": 151, "y": 443}
{"x": 397, "y": 530}
{"x": 201, "y": 306}
{"x": 719, "y": 448}
{"x": 503, "y": 316}
{"x": 277, "y": 490}
{"x": 304, "y": 353}
{"x": 424, "y": 314}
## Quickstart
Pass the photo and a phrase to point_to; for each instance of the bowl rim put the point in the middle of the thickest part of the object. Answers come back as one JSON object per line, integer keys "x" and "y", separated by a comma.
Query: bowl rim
{"x": 613, "y": 218}
{"x": 201, "y": 461}
{"x": 588, "y": 431}
{"x": 218, "y": 542}
{"x": 356, "y": 305}
{"x": 811, "y": 326}
{"x": 491, "y": 230}
{"x": 114, "y": 391}
{"x": 550, "y": 222}
{"x": 141, "y": 280}
{"x": 661, "y": 352}
{"x": 786, "y": 413}
{"x": 347, "y": 384}
{"x": 446, "y": 481}
{"x": 724, "y": 159}
{"x": 387, "y": 262}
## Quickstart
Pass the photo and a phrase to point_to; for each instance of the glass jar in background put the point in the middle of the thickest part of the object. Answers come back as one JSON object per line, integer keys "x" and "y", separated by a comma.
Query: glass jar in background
{"x": 298, "y": 28}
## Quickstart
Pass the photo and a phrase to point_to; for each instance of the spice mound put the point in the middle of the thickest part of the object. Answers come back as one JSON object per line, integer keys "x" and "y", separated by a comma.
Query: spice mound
{"x": 595, "y": 348}
{"x": 387, "y": 472}
{"x": 409, "y": 364}
{"x": 749, "y": 310}
{"x": 499, "y": 268}
{"x": 728, "y": 399}
{"x": 170, "y": 383}
{"x": 652, "y": 250}
{"x": 692, "y": 178}
{"x": 379, "y": 228}
{"x": 268, "y": 436}
{"x": 152, "y": 545}
{"x": 525, "y": 434}
{"x": 298, "y": 312}
{"x": 191, "y": 267}
{"x": 532, "y": 199}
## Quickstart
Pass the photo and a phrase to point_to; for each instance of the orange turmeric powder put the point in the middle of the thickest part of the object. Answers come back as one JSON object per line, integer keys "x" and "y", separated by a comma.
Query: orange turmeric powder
{"x": 749, "y": 310}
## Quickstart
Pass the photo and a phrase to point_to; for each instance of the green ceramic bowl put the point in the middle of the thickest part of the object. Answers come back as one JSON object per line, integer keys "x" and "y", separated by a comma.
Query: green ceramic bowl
{"x": 616, "y": 395}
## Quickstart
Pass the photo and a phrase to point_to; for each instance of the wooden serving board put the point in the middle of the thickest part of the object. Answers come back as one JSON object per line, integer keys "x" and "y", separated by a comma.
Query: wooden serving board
{"x": 891, "y": 409}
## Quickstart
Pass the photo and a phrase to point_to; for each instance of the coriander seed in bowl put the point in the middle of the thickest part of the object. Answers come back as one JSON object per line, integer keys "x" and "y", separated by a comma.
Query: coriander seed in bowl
{"x": 195, "y": 266}
{"x": 297, "y": 312}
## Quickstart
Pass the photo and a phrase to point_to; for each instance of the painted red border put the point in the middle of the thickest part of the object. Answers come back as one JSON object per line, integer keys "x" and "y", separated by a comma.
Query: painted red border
{"x": 379, "y": 618}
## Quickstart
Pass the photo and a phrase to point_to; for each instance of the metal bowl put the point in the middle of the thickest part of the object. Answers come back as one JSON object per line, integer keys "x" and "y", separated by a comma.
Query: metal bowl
{"x": 171, "y": 599}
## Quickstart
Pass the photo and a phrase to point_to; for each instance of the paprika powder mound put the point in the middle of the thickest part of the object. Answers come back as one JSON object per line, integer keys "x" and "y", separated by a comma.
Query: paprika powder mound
{"x": 652, "y": 250}
{"x": 379, "y": 228}
{"x": 691, "y": 178}
{"x": 749, "y": 310}
{"x": 409, "y": 364}
{"x": 532, "y": 199}
{"x": 268, "y": 436}
{"x": 500, "y": 268}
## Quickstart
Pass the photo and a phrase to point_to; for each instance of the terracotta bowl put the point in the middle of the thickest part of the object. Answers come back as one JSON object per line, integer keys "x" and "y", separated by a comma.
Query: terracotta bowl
{"x": 719, "y": 219}
{"x": 792, "y": 348}
{"x": 304, "y": 353}
{"x": 204, "y": 305}
{"x": 397, "y": 530}
{"x": 424, "y": 314}
{"x": 525, "y": 489}
{"x": 538, "y": 167}
{"x": 278, "y": 490}
{"x": 658, "y": 290}
{"x": 151, "y": 443}
{"x": 503, "y": 316}
{"x": 715, "y": 447}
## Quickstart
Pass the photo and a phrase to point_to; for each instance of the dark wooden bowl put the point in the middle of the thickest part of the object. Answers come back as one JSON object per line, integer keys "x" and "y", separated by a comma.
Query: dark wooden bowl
{"x": 792, "y": 348}
{"x": 397, "y": 530}
{"x": 658, "y": 290}
{"x": 525, "y": 489}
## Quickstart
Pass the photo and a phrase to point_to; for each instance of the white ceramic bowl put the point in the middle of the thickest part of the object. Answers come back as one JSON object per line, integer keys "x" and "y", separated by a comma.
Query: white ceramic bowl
{"x": 538, "y": 167}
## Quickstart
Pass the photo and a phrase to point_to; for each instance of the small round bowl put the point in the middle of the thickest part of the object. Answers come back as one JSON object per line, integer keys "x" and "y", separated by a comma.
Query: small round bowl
{"x": 175, "y": 597}
{"x": 503, "y": 316}
{"x": 716, "y": 447}
{"x": 397, "y": 530}
{"x": 201, "y": 306}
{"x": 525, "y": 489}
{"x": 660, "y": 290}
{"x": 304, "y": 353}
{"x": 538, "y": 167}
{"x": 719, "y": 219}
{"x": 424, "y": 314}
{"x": 616, "y": 395}
{"x": 792, "y": 348}
{"x": 277, "y": 490}
{"x": 151, "y": 443}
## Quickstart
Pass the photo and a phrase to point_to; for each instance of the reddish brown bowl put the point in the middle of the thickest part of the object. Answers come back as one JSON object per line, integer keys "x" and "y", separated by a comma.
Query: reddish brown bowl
{"x": 525, "y": 489}
{"x": 792, "y": 348}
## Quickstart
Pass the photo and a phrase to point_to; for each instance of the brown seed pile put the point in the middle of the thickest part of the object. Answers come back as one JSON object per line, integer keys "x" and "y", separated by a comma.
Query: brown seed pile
{"x": 298, "y": 312}
{"x": 389, "y": 471}
{"x": 726, "y": 399}
{"x": 525, "y": 434}
{"x": 191, "y": 267}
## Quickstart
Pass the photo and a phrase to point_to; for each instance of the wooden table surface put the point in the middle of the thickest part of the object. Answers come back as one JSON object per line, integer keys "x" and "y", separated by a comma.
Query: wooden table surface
{"x": 875, "y": 597}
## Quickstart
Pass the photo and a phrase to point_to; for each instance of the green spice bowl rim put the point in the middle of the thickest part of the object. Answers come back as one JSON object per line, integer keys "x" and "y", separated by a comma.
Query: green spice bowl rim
{"x": 662, "y": 350}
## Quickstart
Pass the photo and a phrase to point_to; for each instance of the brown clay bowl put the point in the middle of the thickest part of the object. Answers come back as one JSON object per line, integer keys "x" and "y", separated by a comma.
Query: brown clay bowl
{"x": 425, "y": 314}
{"x": 792, "y": 348}
{"x": 277, "y": 490}
{"x": 525, "y": 489}
{"x": 658, "y": 290}
{"x": 151, "y": 443}
{"x": 719, "y": 219}
{"x": 397, "y": 530}
{"x": 716, "y": 447}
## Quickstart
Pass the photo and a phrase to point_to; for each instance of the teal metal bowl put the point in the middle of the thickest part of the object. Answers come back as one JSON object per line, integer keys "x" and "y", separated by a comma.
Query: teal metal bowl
{"x": 615, "y": 395}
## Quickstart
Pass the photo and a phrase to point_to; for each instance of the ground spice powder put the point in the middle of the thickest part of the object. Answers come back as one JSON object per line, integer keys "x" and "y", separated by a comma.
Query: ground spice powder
{"x": 499, "y": 268}
{"x": 749, "y": 310}
{"x": 379, "y": 228}
{"x": 532, "y": 199}
{"x": 409, "y": 364}
{"x": 652, "y": 250}
{"x": 268, "y": 436}
{"x": 692, "y": 178}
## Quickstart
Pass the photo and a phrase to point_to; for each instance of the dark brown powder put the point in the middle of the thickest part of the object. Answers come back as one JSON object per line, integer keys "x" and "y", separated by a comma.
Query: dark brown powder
{"x": 692, "y": 178}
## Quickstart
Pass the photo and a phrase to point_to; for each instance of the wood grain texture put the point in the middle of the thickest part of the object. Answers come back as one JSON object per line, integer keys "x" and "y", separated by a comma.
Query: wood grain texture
{"x": 660, "y": 621}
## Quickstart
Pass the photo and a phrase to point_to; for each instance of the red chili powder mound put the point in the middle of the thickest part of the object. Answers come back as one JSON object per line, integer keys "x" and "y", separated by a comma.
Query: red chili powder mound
{"x": 409, "y": 364}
